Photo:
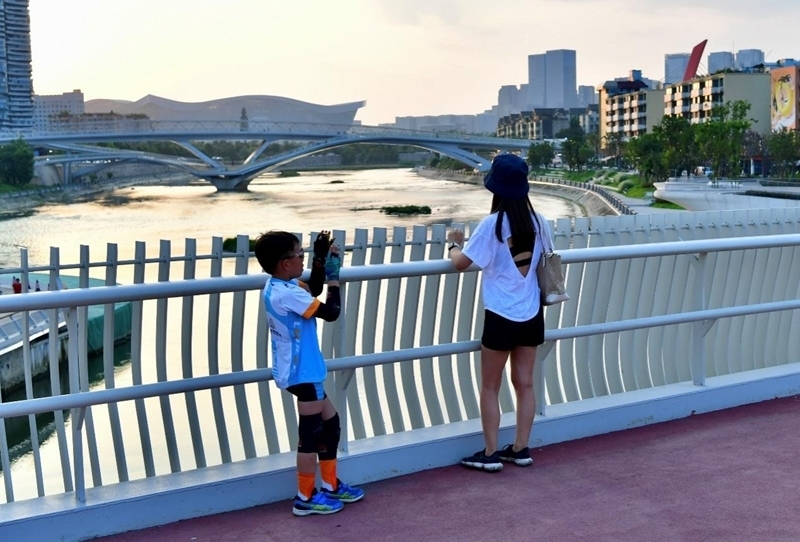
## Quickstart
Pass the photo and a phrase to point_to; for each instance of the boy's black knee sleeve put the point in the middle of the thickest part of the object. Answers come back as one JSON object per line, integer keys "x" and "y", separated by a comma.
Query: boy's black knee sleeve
{"x": 331, "y": 433}
{"x": 310, "y": 430}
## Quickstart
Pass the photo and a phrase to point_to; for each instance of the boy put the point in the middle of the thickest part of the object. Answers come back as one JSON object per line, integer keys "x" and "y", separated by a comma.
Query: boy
{"x": 298, "y": 365}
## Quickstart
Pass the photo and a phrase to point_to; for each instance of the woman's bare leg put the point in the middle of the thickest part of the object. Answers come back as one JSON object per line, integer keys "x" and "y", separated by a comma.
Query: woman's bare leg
{"x": 523, "y": 359}
{"x": 492, "y": 364}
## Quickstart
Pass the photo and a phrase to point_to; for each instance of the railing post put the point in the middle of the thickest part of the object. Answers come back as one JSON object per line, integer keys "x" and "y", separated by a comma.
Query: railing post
{"x": 699, "y": 329}
{"x": 342, "y": 379}
{"x": 78, "y": 414}
{"x": 538, "y": 377}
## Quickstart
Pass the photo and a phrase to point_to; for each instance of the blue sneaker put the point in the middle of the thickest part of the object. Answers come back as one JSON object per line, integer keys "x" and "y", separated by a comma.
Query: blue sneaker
{"x": 345, "y": 493}
{"x": 317, "y": 504}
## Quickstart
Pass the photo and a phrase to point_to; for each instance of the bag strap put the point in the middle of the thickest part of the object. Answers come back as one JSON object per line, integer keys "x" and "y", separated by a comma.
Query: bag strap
{"x": 543, "y": 232}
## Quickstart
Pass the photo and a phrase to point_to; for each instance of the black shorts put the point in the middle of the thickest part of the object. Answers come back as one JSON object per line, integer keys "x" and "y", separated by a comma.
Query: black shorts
{"x": 308, "y": 392}
{"x": 504, "y": 335}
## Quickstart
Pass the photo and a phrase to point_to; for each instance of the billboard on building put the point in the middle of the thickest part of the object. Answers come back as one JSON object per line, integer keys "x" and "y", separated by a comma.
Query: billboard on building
{"x": 783, "y": 98}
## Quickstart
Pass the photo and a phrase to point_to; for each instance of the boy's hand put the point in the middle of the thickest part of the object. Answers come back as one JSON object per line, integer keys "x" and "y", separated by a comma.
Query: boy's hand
{"x": 322, "y": 245}
{"x": 333, "y": 263}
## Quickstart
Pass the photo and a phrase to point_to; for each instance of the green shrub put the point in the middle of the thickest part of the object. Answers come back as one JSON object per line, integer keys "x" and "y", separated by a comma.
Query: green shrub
{"x": 624, "y": 186}
{"x": 229, "y": 244}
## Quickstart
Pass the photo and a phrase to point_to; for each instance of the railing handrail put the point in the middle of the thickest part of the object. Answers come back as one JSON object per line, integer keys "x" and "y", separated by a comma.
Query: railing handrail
{"x": 137, "y": 292}
{"x": 144, "y": 391}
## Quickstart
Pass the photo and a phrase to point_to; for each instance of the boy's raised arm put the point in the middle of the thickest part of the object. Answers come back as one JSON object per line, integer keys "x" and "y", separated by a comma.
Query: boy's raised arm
{"x": 321, "y": 247}
{"x": 329, "y": 311}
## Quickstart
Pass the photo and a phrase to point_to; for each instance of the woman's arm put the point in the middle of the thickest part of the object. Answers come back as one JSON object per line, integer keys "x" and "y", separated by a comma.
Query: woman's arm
{"x": 456, "y": 239}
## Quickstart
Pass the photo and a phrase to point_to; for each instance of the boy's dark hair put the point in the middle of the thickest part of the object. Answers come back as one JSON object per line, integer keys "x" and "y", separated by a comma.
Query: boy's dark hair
{"x": 272, "y": 246}
{"x": 519, "y": 211}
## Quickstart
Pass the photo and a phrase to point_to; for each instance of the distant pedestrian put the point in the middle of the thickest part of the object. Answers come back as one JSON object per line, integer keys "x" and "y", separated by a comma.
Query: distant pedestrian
{"x": 17, "y": 286}
{"x": 38, "y": 288}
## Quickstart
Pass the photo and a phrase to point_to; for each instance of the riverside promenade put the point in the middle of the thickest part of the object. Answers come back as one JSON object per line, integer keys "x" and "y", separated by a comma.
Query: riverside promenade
{"x": 726, "y": 476}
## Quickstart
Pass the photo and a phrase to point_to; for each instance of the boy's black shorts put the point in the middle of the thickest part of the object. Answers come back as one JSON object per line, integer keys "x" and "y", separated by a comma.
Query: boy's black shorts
{"x": 308, "y": 391}
{"x": 504, "y": 335}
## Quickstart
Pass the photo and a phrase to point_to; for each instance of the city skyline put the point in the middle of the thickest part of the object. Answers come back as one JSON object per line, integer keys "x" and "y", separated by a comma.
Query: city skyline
{"x": 414, "y": 58}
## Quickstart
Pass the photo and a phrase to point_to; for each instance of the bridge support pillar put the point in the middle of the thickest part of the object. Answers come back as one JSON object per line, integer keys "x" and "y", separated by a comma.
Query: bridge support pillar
{"x": 237, "y": 184}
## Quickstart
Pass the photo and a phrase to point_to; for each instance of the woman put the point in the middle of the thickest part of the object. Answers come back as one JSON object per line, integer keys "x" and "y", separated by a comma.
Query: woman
{"x": 506, "y": 245}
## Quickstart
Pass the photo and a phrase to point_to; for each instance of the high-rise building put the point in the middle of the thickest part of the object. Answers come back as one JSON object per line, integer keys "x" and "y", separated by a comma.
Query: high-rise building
{"x": 675, "y": 67}
{"x": 16, "y": 86}
{"x": 537, "y": 80}
{"x": 747, "y": 58}
{"x": 587, "y": 95}
{"x": 552, "y": 79}
{"x": 722, "y": 60}
{"x": 560, "y": 70}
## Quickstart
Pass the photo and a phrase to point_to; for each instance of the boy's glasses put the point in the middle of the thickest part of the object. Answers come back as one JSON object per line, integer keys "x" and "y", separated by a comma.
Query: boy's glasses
{"x": 295, "y": 255}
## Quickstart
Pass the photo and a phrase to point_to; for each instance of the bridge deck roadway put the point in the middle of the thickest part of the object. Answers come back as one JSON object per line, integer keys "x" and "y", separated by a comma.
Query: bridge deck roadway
{"x": 728, "y": 476}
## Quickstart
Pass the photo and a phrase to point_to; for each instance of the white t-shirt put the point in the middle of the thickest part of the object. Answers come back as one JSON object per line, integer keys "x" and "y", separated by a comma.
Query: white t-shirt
{"x": 505, "y": 291}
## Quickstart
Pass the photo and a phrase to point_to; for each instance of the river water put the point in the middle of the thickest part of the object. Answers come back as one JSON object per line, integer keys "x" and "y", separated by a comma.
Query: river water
{"x": 174, "y": 212}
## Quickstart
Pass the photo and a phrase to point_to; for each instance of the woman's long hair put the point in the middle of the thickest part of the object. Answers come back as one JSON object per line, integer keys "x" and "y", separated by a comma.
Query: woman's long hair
{"x": 520, "y": 218}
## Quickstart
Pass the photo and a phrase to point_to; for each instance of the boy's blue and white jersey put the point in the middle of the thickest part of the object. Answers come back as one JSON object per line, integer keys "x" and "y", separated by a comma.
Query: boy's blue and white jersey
{"x": 296, "y": 358}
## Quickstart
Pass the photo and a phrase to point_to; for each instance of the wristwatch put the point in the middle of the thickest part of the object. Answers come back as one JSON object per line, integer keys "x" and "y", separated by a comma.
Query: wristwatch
{"x": 452, "y": 246}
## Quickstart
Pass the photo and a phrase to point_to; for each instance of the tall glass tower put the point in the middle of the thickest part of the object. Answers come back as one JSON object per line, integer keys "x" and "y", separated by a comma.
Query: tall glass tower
{"x": 16, "y": 85}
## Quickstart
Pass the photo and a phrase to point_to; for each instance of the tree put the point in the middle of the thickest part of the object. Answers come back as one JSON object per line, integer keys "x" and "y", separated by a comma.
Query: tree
{"x": 593, "y": 141}
{"x": 540, "y": 154}
{"x": 16, "y": 163}
{"x": 720, "y": 138}
{"x": 574, "y": 151}
{"x": 677, "y": 136}
{"x": 784, "y": 148}
{"x": 646, "y": 154}
{"x": 614, "y": 143}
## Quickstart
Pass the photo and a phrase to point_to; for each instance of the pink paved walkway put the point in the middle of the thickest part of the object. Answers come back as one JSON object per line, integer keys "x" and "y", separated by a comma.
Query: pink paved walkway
{"x": 726, "y": 476}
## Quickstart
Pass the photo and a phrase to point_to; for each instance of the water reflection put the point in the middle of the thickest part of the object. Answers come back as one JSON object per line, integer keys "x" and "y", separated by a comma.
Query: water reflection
{"x": 18, "y": 429}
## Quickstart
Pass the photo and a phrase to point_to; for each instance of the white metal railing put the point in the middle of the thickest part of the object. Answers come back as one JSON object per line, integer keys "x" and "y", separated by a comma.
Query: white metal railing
{"x": 641, "y": 315}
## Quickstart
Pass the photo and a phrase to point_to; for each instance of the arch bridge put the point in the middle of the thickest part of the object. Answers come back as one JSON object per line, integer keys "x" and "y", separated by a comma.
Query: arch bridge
{"x": 84, "y": 156}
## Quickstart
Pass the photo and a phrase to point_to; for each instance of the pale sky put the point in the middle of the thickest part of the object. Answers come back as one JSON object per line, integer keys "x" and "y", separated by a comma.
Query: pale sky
{"x": 404, "y": 57}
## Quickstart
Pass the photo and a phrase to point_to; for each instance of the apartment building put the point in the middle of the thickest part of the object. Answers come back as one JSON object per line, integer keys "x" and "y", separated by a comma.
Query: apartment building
{"x": 629, "y": 108}
{"x": 538, "y": 124}
{"x": 47, "y": 106}
{"x": 588, "y": 117}
{"x": 695, "y": 99}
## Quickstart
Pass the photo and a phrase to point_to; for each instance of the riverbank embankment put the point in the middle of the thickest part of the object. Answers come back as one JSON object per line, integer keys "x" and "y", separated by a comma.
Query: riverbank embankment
{"x": 592, "y": 203}
{"x": 23, "y": 202}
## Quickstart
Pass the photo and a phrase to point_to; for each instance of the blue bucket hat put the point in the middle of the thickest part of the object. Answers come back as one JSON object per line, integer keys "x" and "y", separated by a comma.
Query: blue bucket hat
{"x": 508, "y": 177}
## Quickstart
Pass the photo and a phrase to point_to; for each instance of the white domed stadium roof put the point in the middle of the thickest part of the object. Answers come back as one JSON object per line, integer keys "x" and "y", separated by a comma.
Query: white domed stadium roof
{"x": 258, "y": 108}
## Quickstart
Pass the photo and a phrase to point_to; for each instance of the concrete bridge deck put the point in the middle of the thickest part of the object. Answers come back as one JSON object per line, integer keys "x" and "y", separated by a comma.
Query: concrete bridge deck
{"x": 729, "y": 476}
